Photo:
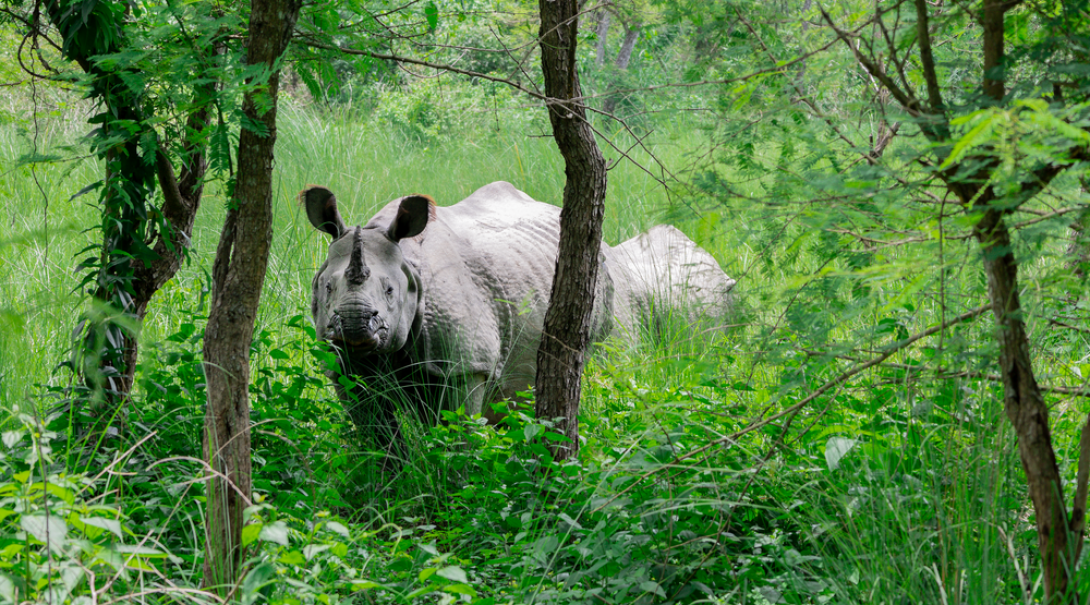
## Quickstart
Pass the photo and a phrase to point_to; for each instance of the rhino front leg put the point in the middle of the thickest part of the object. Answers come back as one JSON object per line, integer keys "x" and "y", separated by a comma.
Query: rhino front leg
{"x": 369, "y": 401}
{"x": 475, "y": 387}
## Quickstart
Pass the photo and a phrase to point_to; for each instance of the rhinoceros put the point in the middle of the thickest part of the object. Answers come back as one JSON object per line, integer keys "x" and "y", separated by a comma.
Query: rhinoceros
{"x": 445, "y": 306}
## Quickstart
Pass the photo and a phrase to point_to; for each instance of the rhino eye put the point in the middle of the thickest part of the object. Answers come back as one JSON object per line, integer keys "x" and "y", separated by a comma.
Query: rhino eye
{"x": 389, "y": 290}
{"x": 329, "y": 288}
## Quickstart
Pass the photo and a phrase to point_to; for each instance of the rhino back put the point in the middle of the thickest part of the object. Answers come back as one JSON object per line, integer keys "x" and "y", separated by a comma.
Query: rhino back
{"x": 486, "y": 264}
{"x": 662, "y": 270}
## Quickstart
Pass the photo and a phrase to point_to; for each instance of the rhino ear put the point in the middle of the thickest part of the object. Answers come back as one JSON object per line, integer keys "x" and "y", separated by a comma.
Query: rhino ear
{"x": 412, "y": 216}
{"x": 322, "y": 211}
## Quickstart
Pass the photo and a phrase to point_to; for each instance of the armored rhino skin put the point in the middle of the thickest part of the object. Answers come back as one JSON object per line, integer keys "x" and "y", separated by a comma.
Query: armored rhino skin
{"x": 452, "y": 300}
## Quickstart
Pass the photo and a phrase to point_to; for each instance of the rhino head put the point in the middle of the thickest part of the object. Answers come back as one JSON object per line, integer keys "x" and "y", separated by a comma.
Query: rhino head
{"x": 366, "y": 296}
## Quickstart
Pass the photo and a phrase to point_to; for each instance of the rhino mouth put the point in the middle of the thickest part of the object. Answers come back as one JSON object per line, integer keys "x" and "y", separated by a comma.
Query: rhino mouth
{"x": 359, "y": 331}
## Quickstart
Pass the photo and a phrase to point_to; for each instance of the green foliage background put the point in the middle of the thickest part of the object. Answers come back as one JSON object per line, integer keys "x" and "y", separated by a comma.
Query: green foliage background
{"x": 899, "y": 485}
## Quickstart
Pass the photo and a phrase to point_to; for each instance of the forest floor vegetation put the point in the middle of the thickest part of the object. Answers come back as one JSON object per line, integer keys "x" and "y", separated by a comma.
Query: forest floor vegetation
{"x": 890, "y": 487}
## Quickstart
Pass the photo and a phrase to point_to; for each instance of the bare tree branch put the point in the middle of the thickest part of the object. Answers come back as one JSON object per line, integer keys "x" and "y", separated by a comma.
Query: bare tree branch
{"x": 906, "y": 98}
{"x": 927, "y": 58}
{"x": 465, "y": 72}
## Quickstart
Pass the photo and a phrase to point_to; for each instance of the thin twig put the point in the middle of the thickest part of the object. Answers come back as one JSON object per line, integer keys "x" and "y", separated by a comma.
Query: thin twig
{"x": 850, "y": 372}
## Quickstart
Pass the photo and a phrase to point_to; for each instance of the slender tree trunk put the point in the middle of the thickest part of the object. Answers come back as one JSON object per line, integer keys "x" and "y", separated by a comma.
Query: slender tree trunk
{"x": 238, "y": 274}
{"x": 560, "y": 358}
{"x": 99, "y": 355}
{"x": 604, "y": 18}
{"x": 1022, "y": 398}
{"x": 109, "y": 349}
{"x": 181, "y": 200}
{"x": 1059, "y": 536}
{"x": 631, "y": 35}
{"x": 1025, "y": 406}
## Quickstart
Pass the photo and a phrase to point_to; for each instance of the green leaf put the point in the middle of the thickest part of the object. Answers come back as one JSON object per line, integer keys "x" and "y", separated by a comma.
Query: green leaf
{"x": 7, "y": 588}
{"x": 258, "y": 577}
{"x": 312, "y": 549}
{"x": 431, "y": 13}
{"x": 49, "y": 529}
{"x": 453, "y": 573}
{"x": 364, "y": 584}
{"x": 293, "y": 557}
{"x": 275, "y": 532}
{"x": 111, "y": 525}
{"x": 980, "y": 133}
{"x": 465, "y": 589}
{"x": 653, "y": 587}
{"x": 572, "y": 522}
{"x": 836, "y": 448}
{"x": 12, "y": 437}
{"x": 251, "y": 533}
{"x": 337, "y": 527}
{"x": 530, "y": 431}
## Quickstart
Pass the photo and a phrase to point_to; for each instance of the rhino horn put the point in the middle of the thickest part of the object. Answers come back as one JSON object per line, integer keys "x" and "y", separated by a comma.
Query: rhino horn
{"x": 357, "y": 272}
{"x": 321, "y": 207}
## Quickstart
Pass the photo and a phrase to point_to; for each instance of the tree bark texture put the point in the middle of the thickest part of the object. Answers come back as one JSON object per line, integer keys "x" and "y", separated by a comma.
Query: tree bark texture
{"x": 238, "y": 274}
{"x": 1025, "y": 406}
{"x": 1022, "y": 398}
{"x": 561, "y": 356}
{"x": 127, "y": 187}
{"x": 1059, "y": 536}
{"x": 181, "y": 200}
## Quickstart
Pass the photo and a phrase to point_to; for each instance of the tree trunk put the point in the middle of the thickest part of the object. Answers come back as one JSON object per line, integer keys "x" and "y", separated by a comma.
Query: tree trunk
{"x": 129, "y": 273}
{"x": 560, "y": 357}
{"x": 604, "y": 18}
{"x": 1022, "y": 399}
{"x": 181, "y": 200}
{"x": 631, "y": 35}
{"x": 1059, "y": 537}
{"x": 238, "y": 274}
{"x": 103, "y": 341}
{"x": 1025, "y": 406}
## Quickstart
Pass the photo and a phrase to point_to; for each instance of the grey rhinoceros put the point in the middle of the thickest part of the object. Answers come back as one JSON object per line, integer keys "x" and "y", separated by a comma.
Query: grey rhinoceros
{"x": 445, "y": 306}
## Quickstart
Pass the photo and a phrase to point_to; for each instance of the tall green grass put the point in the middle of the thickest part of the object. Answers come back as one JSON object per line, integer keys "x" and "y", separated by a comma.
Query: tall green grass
{"x": 366, "y": 164}
{"x": 928, "y": 506}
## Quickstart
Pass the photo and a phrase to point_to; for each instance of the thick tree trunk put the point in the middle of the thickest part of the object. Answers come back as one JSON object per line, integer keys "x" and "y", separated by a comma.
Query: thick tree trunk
{"x": 238, "y": 274}
{"x": 560, "y": 358}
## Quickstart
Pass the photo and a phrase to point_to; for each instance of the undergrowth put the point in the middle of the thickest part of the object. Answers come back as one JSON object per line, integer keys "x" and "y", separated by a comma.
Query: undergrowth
{"x": 892, "y": 487}
{"x": 667, "y": 504}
